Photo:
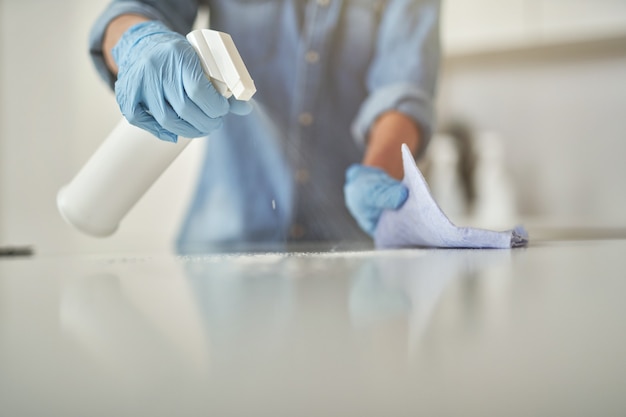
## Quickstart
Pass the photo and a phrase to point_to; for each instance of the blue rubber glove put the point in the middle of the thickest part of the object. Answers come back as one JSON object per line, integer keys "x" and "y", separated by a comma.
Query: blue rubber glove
{"x": 161, "y": 87}
{"x": 368, "y": 191}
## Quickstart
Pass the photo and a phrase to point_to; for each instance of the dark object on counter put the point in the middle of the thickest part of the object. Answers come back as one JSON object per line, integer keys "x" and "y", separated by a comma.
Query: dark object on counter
{"x": 464, "y": 140}
{"x": 13, "y": 251}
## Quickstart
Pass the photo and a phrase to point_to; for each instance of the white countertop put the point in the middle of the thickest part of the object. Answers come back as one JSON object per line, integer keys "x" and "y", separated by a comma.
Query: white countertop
{"x": 529, "y": 332}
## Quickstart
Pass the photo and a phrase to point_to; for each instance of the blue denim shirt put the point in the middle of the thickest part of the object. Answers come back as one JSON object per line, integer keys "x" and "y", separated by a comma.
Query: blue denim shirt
{"x": 324, "y": 71}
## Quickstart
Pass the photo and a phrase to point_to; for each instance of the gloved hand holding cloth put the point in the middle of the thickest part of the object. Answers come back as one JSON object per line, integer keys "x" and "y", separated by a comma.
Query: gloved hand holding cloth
{"x": 368, "y": 191}
{"x": 404, "y": 214}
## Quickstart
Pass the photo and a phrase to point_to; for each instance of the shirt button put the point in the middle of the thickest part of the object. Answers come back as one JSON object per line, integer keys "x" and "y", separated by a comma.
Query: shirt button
{"x": 296, "y": 231}
{"x": 302, "y": 176}
{"x": 312, "y": 57}
{"x": 305, "y": 119}
{"x": 323, "y": 3}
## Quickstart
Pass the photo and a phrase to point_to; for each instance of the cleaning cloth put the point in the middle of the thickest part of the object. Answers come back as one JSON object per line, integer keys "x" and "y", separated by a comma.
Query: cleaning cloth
{"x": 421, "y": 223}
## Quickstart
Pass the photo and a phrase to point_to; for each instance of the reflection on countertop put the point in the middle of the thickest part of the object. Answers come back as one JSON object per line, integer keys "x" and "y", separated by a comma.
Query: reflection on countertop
{"x": 327, "y": 331}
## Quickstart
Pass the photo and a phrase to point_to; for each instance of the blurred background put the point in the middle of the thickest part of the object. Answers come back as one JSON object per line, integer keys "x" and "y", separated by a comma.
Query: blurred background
{"x": 531, "y": 115}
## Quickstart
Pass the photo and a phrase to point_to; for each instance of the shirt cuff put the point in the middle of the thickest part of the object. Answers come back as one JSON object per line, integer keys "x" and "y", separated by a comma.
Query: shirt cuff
{"x": 96, "y": 36}
{"x": 405, "y": 98}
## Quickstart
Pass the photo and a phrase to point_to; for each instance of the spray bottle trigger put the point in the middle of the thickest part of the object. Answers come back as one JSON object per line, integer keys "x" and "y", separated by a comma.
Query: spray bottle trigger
{"x": 222, "y": 63}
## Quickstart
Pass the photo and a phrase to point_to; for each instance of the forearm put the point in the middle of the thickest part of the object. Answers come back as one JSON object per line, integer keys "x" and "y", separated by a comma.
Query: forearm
{"x": 114, "y": 32}
{"x": 386, "y": 136}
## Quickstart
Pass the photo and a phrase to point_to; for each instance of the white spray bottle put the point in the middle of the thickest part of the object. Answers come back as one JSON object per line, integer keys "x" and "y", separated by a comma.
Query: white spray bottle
{"x": 131, "y": 159}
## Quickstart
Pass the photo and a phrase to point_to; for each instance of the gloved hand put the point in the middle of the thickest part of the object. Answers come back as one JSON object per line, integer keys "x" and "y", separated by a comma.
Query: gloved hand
{"x": 368, "y": 191}
{"x": 161, "y": 87}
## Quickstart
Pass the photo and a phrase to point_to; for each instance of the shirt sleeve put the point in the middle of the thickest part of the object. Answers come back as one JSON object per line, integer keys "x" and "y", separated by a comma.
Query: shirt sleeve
{"x": 179, "y": 15}
{"x": 404, "y": 70}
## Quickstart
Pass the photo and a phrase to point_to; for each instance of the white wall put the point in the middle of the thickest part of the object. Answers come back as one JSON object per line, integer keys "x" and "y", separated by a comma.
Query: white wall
{"x": 54, "y": 113}
{"x": 480, "y": 25}
{"x": 561, "y": 115}
{"x": 548, "y": 76}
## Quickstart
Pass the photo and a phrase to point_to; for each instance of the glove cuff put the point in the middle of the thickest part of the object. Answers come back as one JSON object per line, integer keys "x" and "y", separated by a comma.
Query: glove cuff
{"x": 132, "y": 36}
